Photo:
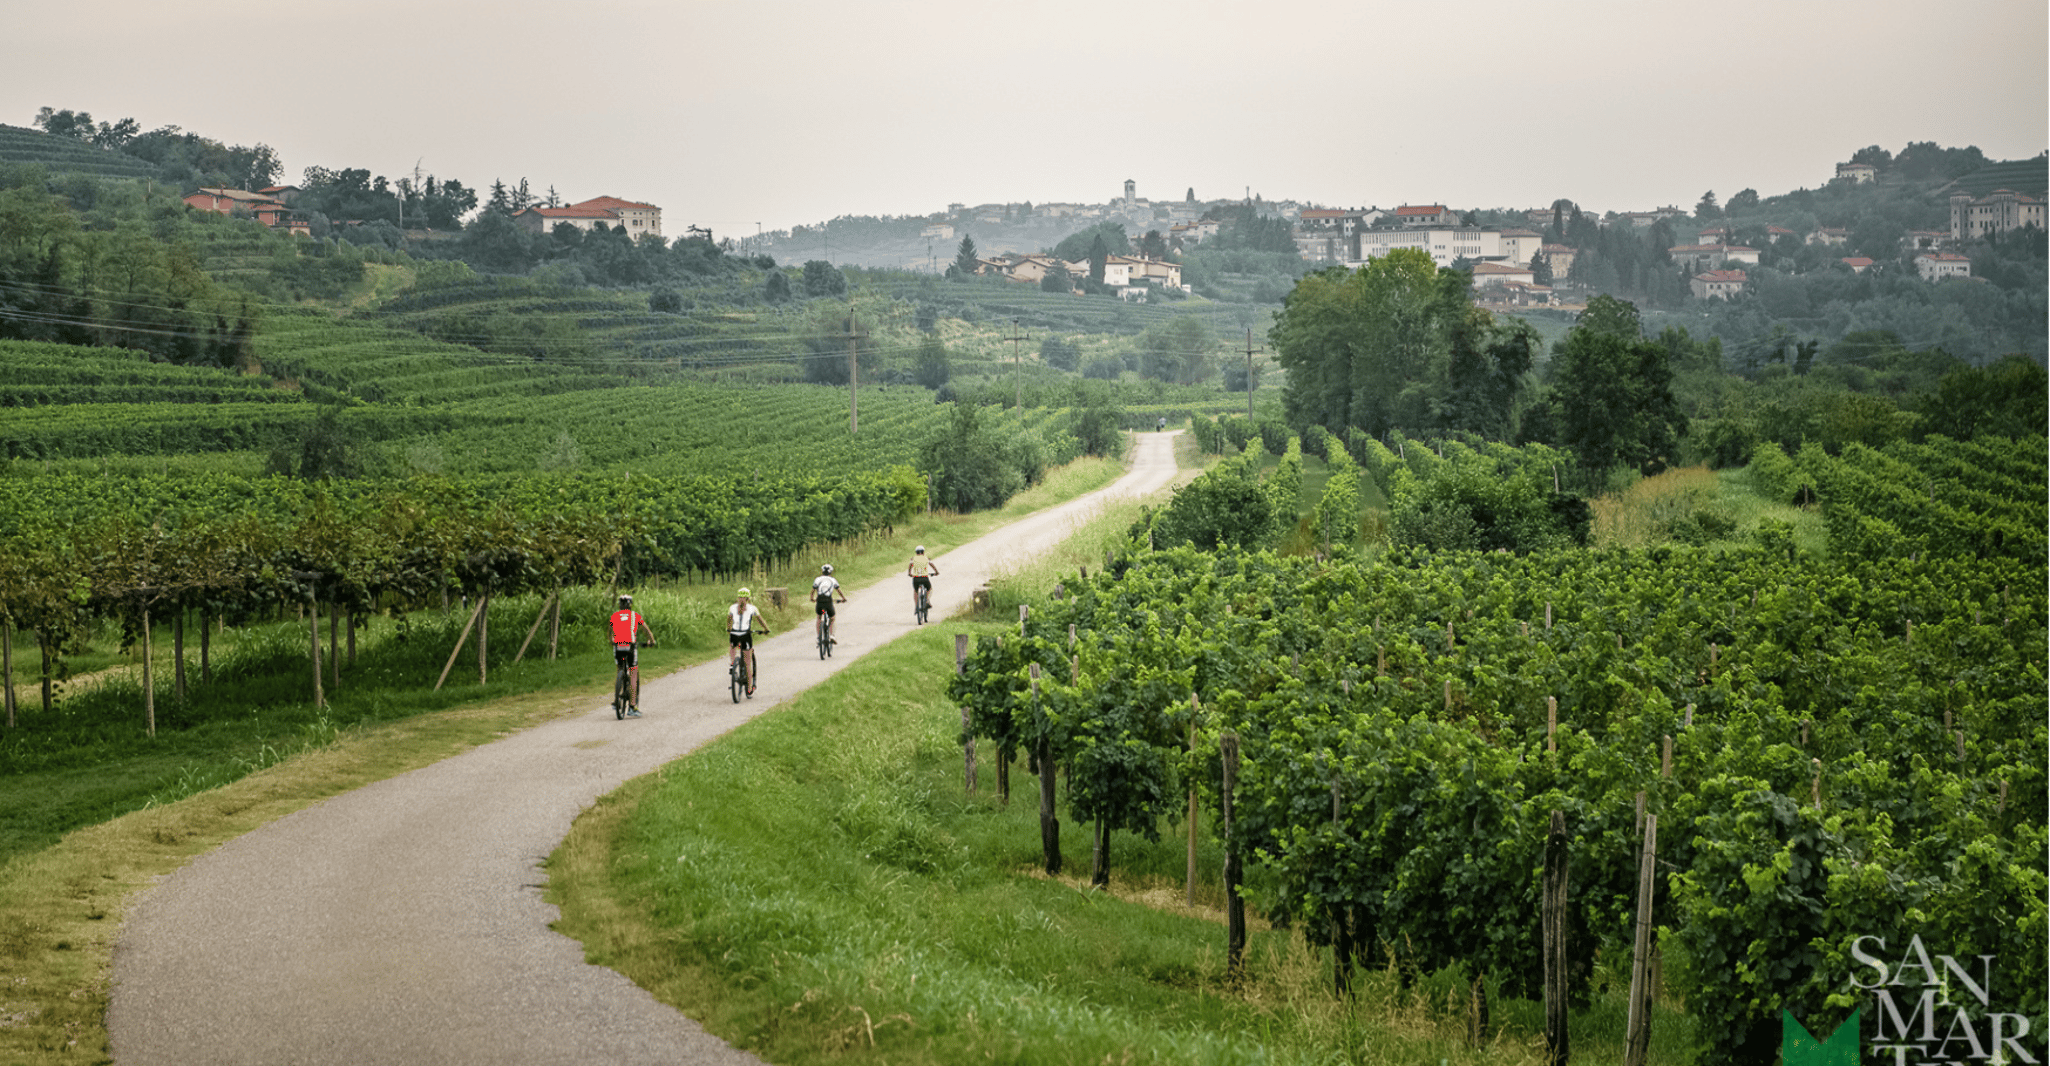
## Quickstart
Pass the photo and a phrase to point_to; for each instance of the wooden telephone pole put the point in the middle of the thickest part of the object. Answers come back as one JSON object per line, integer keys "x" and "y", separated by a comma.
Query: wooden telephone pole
{"x": 853, "y": 379}
{"x": 1249, "y": 373}
{"x": 1017, "y": 363}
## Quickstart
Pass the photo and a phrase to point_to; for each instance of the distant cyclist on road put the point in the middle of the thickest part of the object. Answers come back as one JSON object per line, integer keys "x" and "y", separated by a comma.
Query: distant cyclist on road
{"x": 626, "y": 624}
{"x": 823, "y": 589}
{"x": 740, "y": 634}
{"x": 922, "y": 572}
{"x": 1163, "y": 424}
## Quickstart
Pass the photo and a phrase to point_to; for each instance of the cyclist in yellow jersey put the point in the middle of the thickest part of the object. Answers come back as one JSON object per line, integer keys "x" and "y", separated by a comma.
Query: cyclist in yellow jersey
{"x": 922, "y": 572}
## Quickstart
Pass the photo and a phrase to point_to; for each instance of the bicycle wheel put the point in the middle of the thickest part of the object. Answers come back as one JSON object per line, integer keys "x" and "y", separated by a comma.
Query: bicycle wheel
{"x": 736, "y": 673}
{"x": 619, "y": 694}
{"x": 752, "y": 677}
{"x": 924, "y": 607}
{"x": 825, "y": 646}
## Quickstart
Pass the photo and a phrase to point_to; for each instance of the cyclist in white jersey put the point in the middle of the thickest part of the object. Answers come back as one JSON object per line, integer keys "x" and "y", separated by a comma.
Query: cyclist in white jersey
{"x": 823, "y": 589}
{"x": 741, "y": 619}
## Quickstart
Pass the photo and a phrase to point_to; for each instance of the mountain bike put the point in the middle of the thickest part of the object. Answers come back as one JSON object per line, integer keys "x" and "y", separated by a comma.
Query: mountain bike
{"x": 622, "y": 696}
{"x": 626, "y": 689}
{"x": 825, "y": 637}
{"x": 736, "y": 673}
{"x": 924, "y": 595}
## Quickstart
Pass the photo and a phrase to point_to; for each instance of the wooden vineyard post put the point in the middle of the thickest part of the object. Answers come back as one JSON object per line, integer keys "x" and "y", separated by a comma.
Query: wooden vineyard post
{"x": 1637, "y": 1031}
{"x": 967, "y": 733}
{"x": 178, "y": 654}
{"x": 334, "y": 659}
{"x": 453, "y": 652}
{"x": 43, "y": 646}
{"x": 1195, "y": 708}
{"x": 1004, "y": 754}
{"x": 533, "y": 629}
{"x": 483, "y": 635}
{"x": 1234, "y": 907}
{"x": 1551, "y": 723}
{"x": 555, "y": 624}
{"x": 1024, "y": 612}
{"x": 7, "y": 667}
{"x": 349, "y": 627}
{"x": 1341, "y": 929}
{"x": 1049, "y": 821}
{"x": 206, "y": 662}
{"x": 149, "y": 687}
{"x": 313, "y": 630}
{"x": 1557, "y": 1044}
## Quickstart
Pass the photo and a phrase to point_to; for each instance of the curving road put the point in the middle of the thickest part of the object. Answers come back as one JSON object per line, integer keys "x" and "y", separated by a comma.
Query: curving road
{"x": 403, "y": 923}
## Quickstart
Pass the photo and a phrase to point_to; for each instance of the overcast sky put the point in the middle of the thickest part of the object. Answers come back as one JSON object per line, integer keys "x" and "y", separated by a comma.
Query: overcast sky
{"x": 729, "y": 113}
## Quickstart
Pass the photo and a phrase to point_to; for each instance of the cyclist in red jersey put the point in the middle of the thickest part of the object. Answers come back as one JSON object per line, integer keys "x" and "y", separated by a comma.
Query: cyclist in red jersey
{"x": 626, "y": 623}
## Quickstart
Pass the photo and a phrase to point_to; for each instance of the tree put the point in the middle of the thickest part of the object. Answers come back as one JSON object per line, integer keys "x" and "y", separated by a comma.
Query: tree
{"x": 777, "y": 289}
{"x": 965, "y": 261}
{"x": 1368, "y": 348}
{"x": 1153, "y": 245}
{"x": 1707, "y": 209}
{"x": 1057, "y": 280}
{"x": 1180, "y": 350}
{"x": 1487, "y": 367}
{"x": 1059, "y": 353}
{"x": 932, "y": 368}
{"x": 1099, "y": 259}
{"x": 1612, "y": 394}
{"x": 1873, "y": 156}
{"x": 1744, "y": 200}
{"x": 831, "y": 327}
{"x": 1082, "y": 244}
{"x": 823, "y": 279}
{"x": 1191, "y": 197}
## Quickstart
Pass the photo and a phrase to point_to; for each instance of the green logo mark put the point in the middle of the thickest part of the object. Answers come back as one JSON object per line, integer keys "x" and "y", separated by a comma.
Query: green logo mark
{"x": 1798, "y": 1047}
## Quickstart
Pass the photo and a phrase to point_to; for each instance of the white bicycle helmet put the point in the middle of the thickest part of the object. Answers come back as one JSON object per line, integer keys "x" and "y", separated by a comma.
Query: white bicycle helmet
{"x": 826, "y": 568}
{"x": 920, "y": 550}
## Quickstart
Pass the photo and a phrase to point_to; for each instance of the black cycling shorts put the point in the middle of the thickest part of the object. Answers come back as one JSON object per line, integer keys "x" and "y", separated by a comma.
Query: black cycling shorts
{"x": 922, "y": 583}
{"x": 740, "y": 640}
{"x": 626, "y": 654}
{"x": 825, "y": 605}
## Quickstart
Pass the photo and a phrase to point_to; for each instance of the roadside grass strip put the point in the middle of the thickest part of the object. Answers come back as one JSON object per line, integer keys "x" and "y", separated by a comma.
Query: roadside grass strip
{"x": 817, "y": 887}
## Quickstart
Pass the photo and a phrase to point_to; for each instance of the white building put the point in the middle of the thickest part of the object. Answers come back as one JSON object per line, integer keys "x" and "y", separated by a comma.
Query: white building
{"x": 1935, "y": 266}
{"x": 1443, "y": 245}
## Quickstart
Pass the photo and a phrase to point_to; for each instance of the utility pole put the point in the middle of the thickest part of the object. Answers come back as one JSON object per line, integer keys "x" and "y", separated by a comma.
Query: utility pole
{"x": 1017, "y": 364}
{"x": 1249, "y": 373}
{"x": 853, "y": 378}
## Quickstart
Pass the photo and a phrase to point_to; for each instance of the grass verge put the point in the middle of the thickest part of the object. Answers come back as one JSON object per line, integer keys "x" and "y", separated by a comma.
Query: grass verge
{"x": 817, "y": 887}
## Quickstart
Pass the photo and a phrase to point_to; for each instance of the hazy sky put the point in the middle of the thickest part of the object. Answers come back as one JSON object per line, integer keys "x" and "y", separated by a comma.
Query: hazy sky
{"x": 728, "y": 113}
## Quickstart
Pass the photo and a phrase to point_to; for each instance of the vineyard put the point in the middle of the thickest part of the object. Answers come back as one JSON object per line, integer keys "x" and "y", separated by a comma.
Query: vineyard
{"x": 26, "y": 147}
{"x": 1834, "y": 748}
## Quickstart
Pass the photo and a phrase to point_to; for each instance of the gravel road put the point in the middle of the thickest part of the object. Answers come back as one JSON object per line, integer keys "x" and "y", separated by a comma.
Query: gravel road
{"x": 403, "y": 923}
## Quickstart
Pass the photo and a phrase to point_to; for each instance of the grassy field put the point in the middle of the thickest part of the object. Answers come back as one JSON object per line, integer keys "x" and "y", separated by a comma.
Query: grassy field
{"x": 818, "y": 887}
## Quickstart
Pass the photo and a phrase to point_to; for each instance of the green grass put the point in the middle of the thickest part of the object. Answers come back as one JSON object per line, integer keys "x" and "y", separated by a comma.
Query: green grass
{"x": 817, "y": 886}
